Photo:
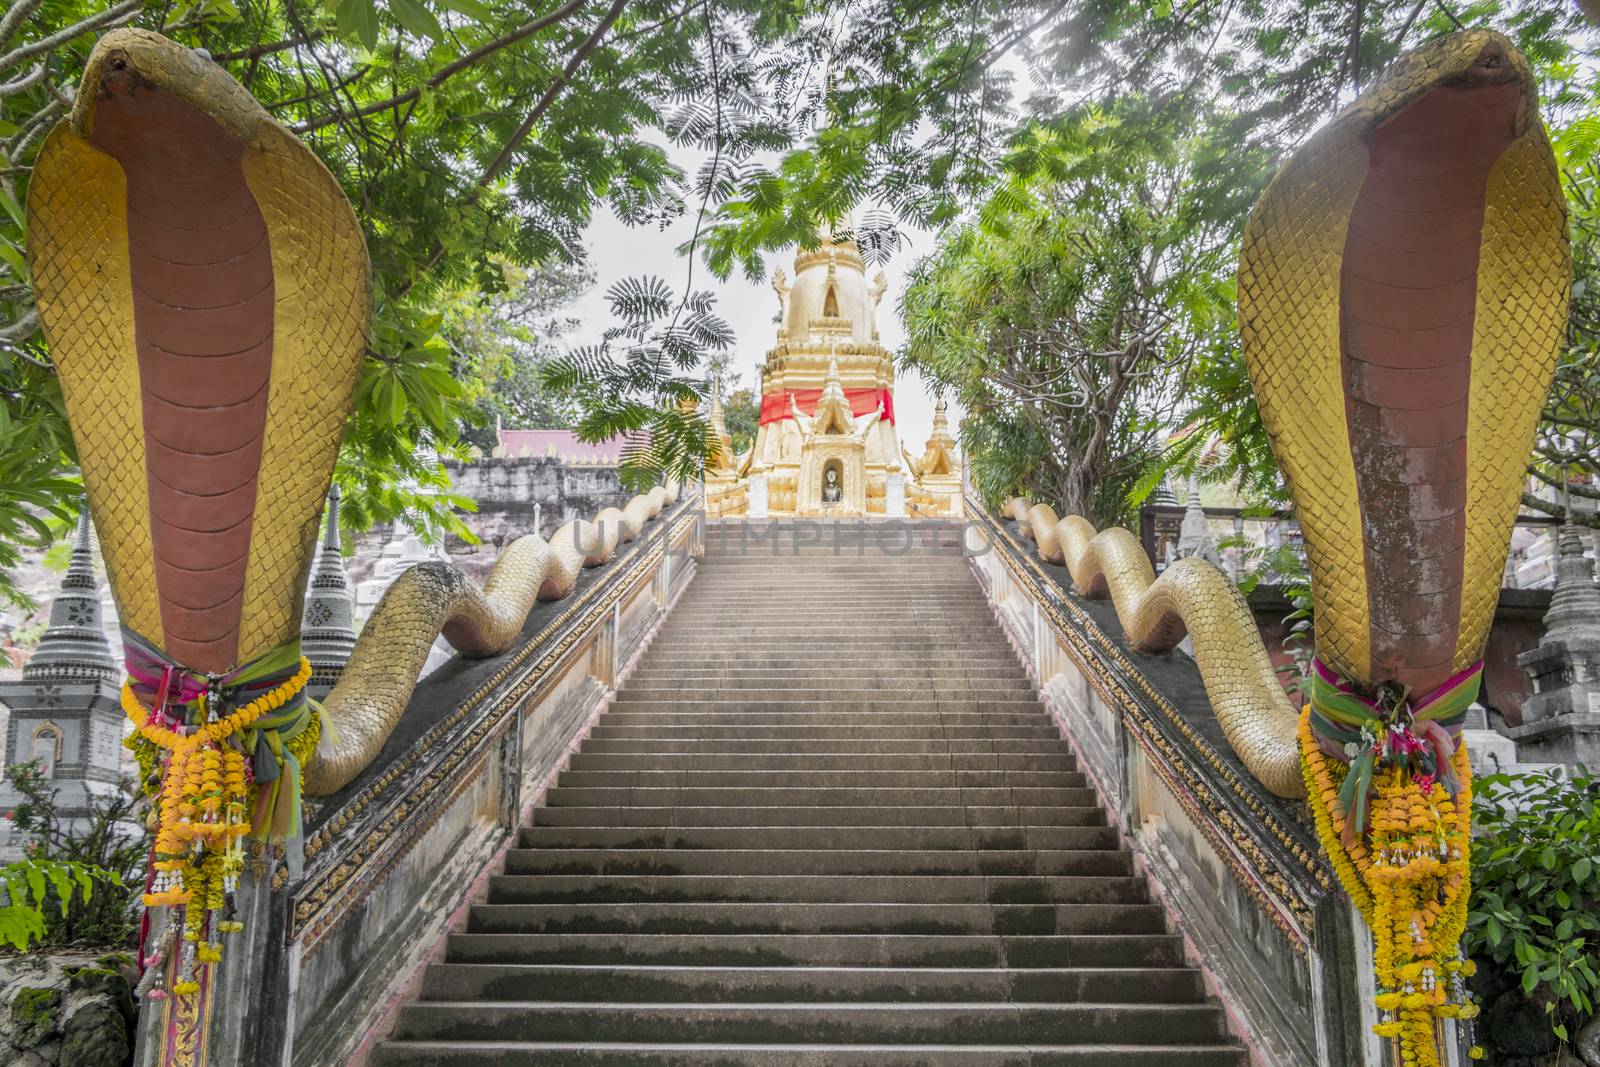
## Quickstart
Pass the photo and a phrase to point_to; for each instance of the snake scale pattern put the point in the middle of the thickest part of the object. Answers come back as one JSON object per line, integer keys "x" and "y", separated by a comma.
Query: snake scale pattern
{"x": 1403, "y": 291}
{"x": 203, "y": 284}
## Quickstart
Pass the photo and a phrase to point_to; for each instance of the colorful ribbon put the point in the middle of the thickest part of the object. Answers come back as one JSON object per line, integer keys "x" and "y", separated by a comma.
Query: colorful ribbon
{"x": 1357, "y": 730}
{"x": 177, "y": 695}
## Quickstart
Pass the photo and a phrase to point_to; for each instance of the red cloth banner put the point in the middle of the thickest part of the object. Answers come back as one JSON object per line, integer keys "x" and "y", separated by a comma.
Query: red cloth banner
{"x": 775, "y": 406}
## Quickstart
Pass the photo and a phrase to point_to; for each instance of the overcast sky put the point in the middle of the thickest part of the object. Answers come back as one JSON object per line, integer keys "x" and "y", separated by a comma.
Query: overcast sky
{"x": 617, "y": 251}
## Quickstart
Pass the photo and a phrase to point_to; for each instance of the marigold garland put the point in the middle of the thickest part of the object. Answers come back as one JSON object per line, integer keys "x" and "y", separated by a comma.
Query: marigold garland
{"x": 201, "y": 785}
{"x": 1409, "y": 876}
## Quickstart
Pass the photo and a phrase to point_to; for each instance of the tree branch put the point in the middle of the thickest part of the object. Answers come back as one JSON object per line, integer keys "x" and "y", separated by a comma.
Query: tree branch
{"x": 1550, "y": 507}
{"x": 448, "y": 71}
{"x": 109, "y": 17}
{"x": 26, "y": 81}
{"x": 257, "y": 51}
{"x": 1575, "y": 488}
{"x": 13, "y": 19}
{"x": 515, "y": 141}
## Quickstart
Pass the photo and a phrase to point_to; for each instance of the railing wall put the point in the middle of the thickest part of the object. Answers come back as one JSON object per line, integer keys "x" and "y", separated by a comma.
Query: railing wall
{"x": 395, "y": 857}
{"x": 1236, "y": 868}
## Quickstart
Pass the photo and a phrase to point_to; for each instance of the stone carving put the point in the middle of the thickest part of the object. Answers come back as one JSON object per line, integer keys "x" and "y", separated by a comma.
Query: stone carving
{"x": 1561, "y": 722}
{"x": 1400, "y": 379}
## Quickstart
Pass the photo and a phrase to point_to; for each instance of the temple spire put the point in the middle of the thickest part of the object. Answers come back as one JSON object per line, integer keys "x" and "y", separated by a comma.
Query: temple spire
{"x": 1574, "y": 611}
{"x": 327, "y": 625}
{"x": 74, "y": 646}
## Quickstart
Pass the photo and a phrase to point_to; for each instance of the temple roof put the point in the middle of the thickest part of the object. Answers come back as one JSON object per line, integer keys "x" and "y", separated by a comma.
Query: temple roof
{"x": 561, "y": 444}
{"x": 74, "y": 645}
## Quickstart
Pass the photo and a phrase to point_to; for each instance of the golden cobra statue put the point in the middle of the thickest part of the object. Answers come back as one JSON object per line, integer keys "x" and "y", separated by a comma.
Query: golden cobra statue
{"x": 1402, "y": 295}
{"x": 203, "y": 285}
{"x": 1403, "y": 292}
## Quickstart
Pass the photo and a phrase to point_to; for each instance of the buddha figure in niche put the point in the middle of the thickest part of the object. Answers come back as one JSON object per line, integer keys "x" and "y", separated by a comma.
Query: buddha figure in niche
{"x": 832, "y": 491}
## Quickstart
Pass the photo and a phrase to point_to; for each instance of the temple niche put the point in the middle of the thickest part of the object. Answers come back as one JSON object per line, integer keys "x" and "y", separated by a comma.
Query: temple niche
{"x": 826, "y": 443}
{"x": 833, "y": 452}
{"x": 936, "y": 477}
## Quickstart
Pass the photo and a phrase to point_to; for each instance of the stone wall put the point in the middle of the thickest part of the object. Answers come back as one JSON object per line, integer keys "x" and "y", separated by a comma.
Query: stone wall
{"x": 66, "y": 1009}
{"x": 507, "y": 490}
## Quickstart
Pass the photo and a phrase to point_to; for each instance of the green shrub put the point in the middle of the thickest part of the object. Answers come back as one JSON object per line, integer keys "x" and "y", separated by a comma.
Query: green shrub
{"x": 1535, "y": 913}
{"x": 105, "y": 850}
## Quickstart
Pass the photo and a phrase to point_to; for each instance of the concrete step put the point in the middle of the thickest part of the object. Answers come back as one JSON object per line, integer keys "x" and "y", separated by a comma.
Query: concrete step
{"x": 790, "y": 721}
{"x": 863, "y": 816}
{"x": 820, "y": 656}
{"x": 1107, "y": 862}
{"x": 879, "y": 746}
{"x": 777, "y": 917}
{"x": 815, "y": 797}
{"x": 688, "y": 678}
{"x": 659, "y": 685}
{"x": 894, "y": 762}
{"x": 714, "y": 715}
{"x": 839, "y": 1023}
{"x": 618, "y": 1054}
{"x": 732, "y": 985}
{"x": 825, "y": 822}
{"x": 849, "y": 838}
{"x": 814, "y": 889}
{"x": 770, "y": 779}
{"x": 1015, "y": 951}
{"x": 936, "y": 702}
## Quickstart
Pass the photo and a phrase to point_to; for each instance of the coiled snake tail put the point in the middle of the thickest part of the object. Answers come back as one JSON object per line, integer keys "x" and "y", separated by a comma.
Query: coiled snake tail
{"x": 436, "y": 598}
{"x": 1191, "y": 598}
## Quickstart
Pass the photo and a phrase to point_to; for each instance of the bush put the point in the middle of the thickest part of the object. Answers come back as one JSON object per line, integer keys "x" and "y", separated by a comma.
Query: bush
{"x": 1535, "y": 918}
{"x": 110, "y": 846}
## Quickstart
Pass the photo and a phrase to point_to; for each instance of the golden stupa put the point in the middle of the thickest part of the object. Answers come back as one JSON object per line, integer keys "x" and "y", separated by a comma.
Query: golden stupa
{"x": 826, "y": 443}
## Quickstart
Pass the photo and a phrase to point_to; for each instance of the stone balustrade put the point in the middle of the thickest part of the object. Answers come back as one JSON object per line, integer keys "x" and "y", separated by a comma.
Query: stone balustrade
{"x": 1237, "y": 869}
{"x": 393, "y": 858}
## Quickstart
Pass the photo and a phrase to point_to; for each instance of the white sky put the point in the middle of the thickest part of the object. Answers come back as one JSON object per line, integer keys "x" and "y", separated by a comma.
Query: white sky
{"x": 750, "y": 308}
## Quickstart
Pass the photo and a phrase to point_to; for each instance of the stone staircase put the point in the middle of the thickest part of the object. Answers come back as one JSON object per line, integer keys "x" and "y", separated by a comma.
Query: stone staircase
{"x": 825, "y": 822}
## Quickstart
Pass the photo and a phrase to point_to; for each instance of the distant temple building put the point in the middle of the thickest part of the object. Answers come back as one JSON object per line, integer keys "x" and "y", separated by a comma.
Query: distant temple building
{"x": 562, "y": 445}
{"x": 65, "y": 713}
{"x": 826, "y": 442}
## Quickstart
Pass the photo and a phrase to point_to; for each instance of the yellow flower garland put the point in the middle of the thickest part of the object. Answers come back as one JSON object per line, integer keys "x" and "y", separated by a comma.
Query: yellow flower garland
{"x": 203, "y": 810}
{"x": 1409, "y": 876}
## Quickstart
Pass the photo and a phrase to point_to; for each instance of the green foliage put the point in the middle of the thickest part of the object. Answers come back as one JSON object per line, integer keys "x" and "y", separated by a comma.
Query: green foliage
{"x": 502, "y": 345}
{"x": 29, "y": 886}
{"x": 478, "y": 138}
{"x": 639, "y": 380}
{"x": 1065, "y": 316}
{"x": 1567, "y": 456}
{"x": 1536, "y": 888}
{"x": 106, "y": 851}
{"x": 741, "y": 411}
{"x": 471, "y": 137}
{"x": 1285, "y": 567}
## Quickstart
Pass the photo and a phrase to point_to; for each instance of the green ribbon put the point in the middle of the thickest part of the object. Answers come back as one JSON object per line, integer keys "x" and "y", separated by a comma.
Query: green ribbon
{"x": 1356, "y": 730}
